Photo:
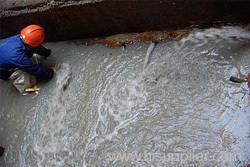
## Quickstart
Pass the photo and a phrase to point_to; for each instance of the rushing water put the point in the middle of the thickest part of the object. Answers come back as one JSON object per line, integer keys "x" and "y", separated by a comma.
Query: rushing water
{"x": 173, "y": 97}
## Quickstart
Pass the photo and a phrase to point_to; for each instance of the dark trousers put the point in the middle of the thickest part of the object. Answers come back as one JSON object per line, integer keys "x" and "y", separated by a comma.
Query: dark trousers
{"x": 1, "y": 151}
{"x": 5, "y": 74}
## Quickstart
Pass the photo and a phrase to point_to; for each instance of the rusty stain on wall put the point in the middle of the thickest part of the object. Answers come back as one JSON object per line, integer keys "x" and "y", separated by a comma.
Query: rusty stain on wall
{"x": 115, "y": 41}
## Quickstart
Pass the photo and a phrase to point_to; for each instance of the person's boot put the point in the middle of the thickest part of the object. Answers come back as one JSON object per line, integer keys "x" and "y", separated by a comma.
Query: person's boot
{"x": 1, "y": 151}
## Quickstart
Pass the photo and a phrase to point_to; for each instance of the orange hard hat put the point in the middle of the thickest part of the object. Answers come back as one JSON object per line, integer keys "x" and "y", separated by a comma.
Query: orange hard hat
{"x": 33, "y": 35}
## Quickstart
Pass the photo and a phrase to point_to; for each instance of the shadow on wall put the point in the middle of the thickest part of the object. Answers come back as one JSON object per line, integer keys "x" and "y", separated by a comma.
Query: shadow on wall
{"x": 76, "y": 19}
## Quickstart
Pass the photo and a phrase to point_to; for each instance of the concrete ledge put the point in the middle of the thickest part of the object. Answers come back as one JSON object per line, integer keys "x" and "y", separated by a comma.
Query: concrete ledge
{"x": 65, "y": 20}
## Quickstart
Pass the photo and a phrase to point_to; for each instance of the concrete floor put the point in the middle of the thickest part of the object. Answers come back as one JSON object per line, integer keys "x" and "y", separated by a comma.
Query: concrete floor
{"x": 104, "y": 101}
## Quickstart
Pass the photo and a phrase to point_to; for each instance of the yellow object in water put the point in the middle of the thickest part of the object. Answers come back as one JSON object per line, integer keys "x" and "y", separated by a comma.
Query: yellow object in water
{"x": 32, "y": 89}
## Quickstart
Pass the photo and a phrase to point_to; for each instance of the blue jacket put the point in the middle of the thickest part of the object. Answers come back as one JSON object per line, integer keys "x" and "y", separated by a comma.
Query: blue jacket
{"x": 15, "y": 54}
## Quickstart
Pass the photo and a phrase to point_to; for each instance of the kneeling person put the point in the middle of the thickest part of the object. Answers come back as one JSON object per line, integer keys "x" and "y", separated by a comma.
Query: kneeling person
{"x": 15, "y": 58}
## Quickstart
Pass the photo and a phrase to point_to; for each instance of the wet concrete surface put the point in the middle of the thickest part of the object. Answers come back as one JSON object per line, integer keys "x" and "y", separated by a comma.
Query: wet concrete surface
{"x": 106, "y": 100}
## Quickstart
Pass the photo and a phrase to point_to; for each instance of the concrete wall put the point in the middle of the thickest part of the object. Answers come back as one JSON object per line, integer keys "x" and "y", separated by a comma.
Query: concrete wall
{"x": 64, "y": 20}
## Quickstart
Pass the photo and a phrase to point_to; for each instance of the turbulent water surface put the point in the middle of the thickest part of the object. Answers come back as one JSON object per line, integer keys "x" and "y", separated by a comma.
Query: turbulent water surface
{"x": 173, "y": 97}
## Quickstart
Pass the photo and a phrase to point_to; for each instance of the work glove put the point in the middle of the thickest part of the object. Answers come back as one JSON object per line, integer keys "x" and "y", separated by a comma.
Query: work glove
{"x": 48, "y": 52}
{"x": 43, "y": 51}
{"x": 37, "y": 59}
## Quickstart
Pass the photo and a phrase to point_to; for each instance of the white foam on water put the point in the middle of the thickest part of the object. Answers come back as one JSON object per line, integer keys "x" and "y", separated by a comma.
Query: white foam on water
{"x": 149, "y": 51}
{"x": 225, "y": 33}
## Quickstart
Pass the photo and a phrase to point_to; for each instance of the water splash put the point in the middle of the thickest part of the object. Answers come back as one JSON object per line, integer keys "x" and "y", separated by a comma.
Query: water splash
{"x": 50, "y": 146}
{"x": 149, "y": 51}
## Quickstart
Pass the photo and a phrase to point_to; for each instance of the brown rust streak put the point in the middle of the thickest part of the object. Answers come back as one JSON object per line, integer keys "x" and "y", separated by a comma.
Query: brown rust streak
{"x": 130, "y": 38}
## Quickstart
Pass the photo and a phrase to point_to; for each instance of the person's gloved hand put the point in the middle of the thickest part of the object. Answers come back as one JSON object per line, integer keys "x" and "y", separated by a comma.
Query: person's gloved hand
{"x": 48, "y": 52}
{"x": 37, "y": 59}
{"x": 43, "y": 51}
